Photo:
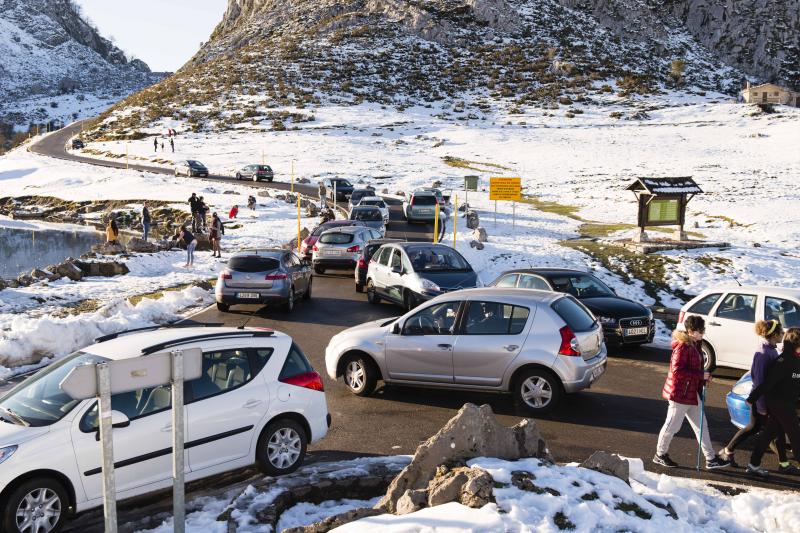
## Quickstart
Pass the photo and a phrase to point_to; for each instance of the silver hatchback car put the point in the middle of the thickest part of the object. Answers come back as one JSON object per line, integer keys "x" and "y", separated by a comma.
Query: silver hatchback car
{"x": 536, "y": 345}
{"x": 271, "y": 276}
{"x": 341, "y": 247}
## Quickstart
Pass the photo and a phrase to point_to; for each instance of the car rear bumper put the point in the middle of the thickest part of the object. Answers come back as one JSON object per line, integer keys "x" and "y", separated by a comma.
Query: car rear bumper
{"x": 198, "y": 174}
{"x": 738, "y": 409}
{"x": 230, "y": 296}
{"x": 335, "y": 263}
{"x": 578, "y": 374}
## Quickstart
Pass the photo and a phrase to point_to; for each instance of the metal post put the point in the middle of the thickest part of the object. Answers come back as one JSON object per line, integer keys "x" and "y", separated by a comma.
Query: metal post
{"x": 455, "y": 221}
{"x": 292, "y": 175}
{"x": 298, "y": 223}
{"x": 107, "y": 447}
{"x": 178, "y": 506}
{"x": 334, "y": 197}
{"x": 436, "y": 223}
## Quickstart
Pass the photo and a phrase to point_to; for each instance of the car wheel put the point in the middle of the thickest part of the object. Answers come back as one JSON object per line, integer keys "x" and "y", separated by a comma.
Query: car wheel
{"x": 307, "y": 294}
{"x": 269, "y": 180}
{"x": 709, "y": 357}
{"x": 319, "y": 270}
{"x": 223, "y": 307}
{"x": 360, "y": 375}
{"x": 289, "y": 305}
{"x": 537, "y": 390}
{"x": 281, "y": 447}
{"x": 238, "y": 176}
{"x": 176, "y": 172}
{"x": 372, "y": 296}
{"x": 359, "y": 287}
{"x": 39, "y": 504}
{"x": 255, "y": 177}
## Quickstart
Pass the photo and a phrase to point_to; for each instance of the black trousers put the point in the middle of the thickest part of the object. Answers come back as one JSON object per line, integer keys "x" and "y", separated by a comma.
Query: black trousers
{"x": 782, "y": 419}
{"x": 756, "y": 424}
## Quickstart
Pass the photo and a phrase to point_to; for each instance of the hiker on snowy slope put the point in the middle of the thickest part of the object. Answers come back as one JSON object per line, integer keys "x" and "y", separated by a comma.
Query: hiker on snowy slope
{"x": 682, "y": 389}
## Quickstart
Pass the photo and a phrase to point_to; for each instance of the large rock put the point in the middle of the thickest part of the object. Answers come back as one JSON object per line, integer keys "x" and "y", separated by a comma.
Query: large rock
{"x": 109, "y": 248}
{"x": 608, "y": 463}
{"x": 473, "y": 221}
{"x": 479, "y": 234}
{"x": 135, "y": 244}
{"x": 312, "y": 210}
{"x": 473, "y": 432}
{"x": 469, "y": 486}
{"x": 3, "y": 284}
{"x": 264, "y": 193}
{"x": 332, "y": 522}
{"x": 106, "y": 269}
{"x": 475, "y": 244}
{"x": 67, "y": 269}
{"x": 412, "y": 501}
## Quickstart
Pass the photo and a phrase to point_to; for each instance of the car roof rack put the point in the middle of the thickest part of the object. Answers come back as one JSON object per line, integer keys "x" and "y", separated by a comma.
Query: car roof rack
{"x": 207, "y": 336}
{"x": 111, "y": 336}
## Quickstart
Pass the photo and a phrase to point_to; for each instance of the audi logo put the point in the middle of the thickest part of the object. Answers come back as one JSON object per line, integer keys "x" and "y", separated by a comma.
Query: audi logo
{"x": 637, "y": 323}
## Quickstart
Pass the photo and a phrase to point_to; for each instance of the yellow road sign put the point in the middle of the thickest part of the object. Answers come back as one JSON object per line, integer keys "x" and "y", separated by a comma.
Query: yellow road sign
{"x": 509, "y": 189}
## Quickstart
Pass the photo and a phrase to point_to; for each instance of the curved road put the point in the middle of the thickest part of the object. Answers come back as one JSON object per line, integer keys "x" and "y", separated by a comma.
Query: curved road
{"x": 622, "y": 413}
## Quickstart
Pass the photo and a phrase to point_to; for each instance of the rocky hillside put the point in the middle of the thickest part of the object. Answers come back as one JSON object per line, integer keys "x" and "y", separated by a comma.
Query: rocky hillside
{"x": 47, "y": 50}
{"x": 269, "y": 61}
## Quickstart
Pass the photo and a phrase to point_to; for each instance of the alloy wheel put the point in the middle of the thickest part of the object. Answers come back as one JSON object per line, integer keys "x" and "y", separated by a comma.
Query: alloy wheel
{"x": 39, "y": 510}
{"x": 355, "y": 375}
{"x": 536, "y": 392}
{"x": 283, "y": 448}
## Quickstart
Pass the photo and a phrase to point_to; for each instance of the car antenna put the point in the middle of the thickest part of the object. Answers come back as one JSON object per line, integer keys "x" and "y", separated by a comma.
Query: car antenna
{"x": 246, "y": 321}
{"x": 736, "y": 280}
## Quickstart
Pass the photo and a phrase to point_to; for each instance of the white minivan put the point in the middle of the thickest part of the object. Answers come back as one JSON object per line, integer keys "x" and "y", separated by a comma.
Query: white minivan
{"x": 731, "y": 313}
{"x": 258, "y": 400}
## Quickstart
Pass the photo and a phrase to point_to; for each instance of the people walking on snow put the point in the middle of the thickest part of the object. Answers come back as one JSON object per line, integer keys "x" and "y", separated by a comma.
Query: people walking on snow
{"x": 145, "y": 221}
{"x": 215, "y": 234}
{"x": 155, "y": 143}
{"x": 682, "y": 389}
{"x": 233, "y": 212}
{"x": 780, "y": 390}
{"x": 112, "y": 231}
{"x": 322, "y": 195}
{"x": 194, "y": 207}
{"x": 251, "y": 202}
{"x": 172, "y": 144}
{"x": 771, "y": 333}
{"x": 185, "y": 236}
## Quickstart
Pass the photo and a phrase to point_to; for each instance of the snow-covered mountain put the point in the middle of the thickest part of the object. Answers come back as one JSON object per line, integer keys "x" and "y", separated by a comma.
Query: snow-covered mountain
{"x": 54, "y": 64}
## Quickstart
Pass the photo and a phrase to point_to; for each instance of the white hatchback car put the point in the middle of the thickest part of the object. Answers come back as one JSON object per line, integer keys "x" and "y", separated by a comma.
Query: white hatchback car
{"x": 258, "y": 400}
{"x": 730, "y": 314}
{"x": 340, "y": 248}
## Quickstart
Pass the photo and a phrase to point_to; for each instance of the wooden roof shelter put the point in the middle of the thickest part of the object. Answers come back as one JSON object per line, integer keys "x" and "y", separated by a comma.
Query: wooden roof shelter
{"x": 662, "y": 201}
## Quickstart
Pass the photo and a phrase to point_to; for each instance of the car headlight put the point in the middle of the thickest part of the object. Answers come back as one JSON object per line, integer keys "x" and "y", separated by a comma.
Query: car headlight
{"x": 428, "y": 285}
{"x": 649, "y": 313}
{"x": 7, "y": 452}
{"x": 608, "y": 321}
{"x": 743, "y": 388}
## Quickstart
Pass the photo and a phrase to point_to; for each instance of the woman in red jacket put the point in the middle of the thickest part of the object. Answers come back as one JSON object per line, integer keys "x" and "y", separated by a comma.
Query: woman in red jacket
{"x": 682, "y": 389}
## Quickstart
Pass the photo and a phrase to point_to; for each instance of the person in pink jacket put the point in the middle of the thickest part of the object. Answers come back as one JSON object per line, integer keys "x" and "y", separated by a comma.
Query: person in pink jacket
{"x": 682, "y": 389}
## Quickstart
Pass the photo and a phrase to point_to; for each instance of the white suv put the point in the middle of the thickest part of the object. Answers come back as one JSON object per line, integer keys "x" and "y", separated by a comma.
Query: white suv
{"x": 258, "y": 400}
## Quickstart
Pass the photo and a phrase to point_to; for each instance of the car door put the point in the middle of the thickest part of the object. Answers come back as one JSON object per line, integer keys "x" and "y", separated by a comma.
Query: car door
{"x": 226, "y": 405}
{"x": 142, "y": 450}
{"x": 292, "y": 267}
{"x": 423, "y": 350}
{"x": 380, "y": 278}
{"x": 730, "y": 329}
{"x": 395, "y": 276}
{"x": 491, "y": 336}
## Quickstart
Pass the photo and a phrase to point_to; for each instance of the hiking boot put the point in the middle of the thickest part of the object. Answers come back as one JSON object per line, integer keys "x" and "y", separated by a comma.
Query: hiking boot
{"x": 664, "y": 460}
{"x": 757, "y": 471}
{"x": 717, "y": 462}
{"x": 789, "y": 469}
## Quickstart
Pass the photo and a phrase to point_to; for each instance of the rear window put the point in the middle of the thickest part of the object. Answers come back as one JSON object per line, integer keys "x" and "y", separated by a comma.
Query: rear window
{"x": 366, "y": 214}
{"x": 574, "y": 314}
{"x": 295, "y": 364}
{"x": 424, "y": 199}
{"x": 252, "y": 263}
{"x": 370, "y": 250}
{"x": 263, "y": 167}
{"x": 703, "y": 307}
{"x": 378, "y": 203}
{"x": 358, "y": 195}
{"x": 336, "y": 238}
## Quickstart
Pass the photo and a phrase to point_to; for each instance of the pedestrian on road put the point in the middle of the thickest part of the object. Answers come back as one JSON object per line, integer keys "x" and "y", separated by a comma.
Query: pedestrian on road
{"x": 233, "y": 212}
{"x": 215, "y": 235}
{"x": 194, "y": 207}
{"x": 682, "y": 389}
{"x": 185, "y": 237}
{"x": 172, "y": 144}
{"x": 155, "y": 143}
{"x": 771, "y": 333}
{"x": 780, "y": 389}
{"x": 322, "y": 195}
{"x": 145, "y": 221}
{"x": 112, "y": 232}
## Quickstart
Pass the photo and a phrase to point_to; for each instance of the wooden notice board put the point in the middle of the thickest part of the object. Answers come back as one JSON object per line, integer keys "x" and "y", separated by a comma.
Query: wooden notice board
{"x": 509, "y": 189}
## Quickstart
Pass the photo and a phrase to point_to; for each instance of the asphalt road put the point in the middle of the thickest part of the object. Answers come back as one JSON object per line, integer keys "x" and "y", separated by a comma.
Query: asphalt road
{"x": 622, "y": 413}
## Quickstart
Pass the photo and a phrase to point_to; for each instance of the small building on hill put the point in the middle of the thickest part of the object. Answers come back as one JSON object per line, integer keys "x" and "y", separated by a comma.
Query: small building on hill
{"x": 769, "y": 93}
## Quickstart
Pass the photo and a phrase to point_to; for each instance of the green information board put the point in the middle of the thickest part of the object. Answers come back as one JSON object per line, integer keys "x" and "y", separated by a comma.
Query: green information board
{"x": 665, "y": 211}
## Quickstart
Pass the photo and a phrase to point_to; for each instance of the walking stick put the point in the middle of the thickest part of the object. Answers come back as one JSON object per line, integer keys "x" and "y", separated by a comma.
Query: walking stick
{"x": 702, "y": 414}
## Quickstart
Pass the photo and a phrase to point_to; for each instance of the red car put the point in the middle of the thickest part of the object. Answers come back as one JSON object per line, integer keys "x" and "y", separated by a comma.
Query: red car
{"x": 308, "y": 242}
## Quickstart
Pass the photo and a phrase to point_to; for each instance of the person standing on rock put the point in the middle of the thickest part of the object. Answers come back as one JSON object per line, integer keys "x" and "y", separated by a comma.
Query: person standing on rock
{"x": 185, "y": 236}
{"x": 203, "y": 210}
{"x": 145, "y": 222}
{"x": 194, "y": 206}
{"x": 215, "y": 234}
{"x": 683, "y": 387}
{"x": 112, "y": 232}
{"x": 172, "y": 144}
{"x": 155, "y": 144}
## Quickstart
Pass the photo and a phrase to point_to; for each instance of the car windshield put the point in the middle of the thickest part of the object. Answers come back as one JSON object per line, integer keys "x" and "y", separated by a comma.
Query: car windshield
{"x": 336, "y": 238}
{"x": 424, "y": 199}
{"x": 366, "y": 214}
{"x": 39, "y": 401}
{"x": 581, "y": 286}
{"x": 440, "y": 258}
{"x": 253, "y": 263}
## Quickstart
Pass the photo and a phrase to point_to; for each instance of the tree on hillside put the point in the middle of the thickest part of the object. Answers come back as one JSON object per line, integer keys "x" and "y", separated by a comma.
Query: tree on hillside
{"x": 676, "y": 70}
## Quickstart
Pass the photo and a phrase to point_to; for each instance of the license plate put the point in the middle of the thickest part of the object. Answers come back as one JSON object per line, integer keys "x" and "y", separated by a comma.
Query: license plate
{"x": 425, "y": 211}
{"x": 597, "y": 372}
{"x": 632, "y": 332}
{"x": 248, "y": 295}
{"x": 333, "y": 252}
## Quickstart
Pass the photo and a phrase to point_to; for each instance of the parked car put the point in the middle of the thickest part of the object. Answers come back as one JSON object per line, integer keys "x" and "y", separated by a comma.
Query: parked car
{"x": 258, "y": 401}
{"x": 443, "y": 199}
{"x": 77, "y": 144}
{"x": 363, "y": 261}
{"x": 340, "y": 186}
{"x": 307, "y": 245}
{"x": 624, "y": 321}
{"x": 736, "y": 401}
{"x": 357, "y": 195}
{"x": 730, "y": 314}
{"x": 370, "y": 216}
{"x": 191, "y": 168}
{"x": 410, "y": 273}
{"x": 535, "y": 345}
{"x": 271, "y": 276}
{"x": 255, "y": 173}
{"x": 421, "y": 207}
{"x": 341, "y": 247}
{"x": 376, "y": 201}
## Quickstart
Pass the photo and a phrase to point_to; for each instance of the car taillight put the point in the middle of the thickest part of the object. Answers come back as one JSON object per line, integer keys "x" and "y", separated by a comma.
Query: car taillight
{"x": 681, "y": 316}
{"x": 273, "y": 277}
{"x": 569, "y": 343}
{"x": 362, "y": 263}
{"x": 355, "y": 248}
{"x": 411, "y": 203}
{"x": 307, "y": 380}
{"x": 315, "y": 249}
{"x": 226, "y": 275}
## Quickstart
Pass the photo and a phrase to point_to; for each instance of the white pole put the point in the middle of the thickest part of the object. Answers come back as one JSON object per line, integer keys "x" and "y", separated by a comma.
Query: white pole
{"x": 107, "y": 447}
{"x": 178, "y": 505}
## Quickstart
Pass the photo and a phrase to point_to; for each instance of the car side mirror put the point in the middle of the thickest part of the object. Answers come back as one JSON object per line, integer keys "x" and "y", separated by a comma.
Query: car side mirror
{"x": 396, "y": 328}
{"x": 119, "y": 420}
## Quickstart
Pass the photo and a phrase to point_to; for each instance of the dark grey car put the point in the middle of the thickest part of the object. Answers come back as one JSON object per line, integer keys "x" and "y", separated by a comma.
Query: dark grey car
{"x": 272, "y": 277}
{"x": 255, "y": 173}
